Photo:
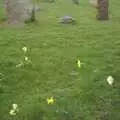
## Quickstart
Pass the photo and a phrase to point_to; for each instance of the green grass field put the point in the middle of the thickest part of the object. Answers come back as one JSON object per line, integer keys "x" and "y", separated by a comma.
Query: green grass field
{"x": 54, "y": 48}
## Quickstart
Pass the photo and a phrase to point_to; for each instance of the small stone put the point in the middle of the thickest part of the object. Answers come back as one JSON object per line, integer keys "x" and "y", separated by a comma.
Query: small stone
{"x": 67, "y": 20}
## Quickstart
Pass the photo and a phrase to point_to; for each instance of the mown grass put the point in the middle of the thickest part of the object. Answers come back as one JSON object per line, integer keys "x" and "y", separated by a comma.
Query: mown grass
{"x": 80, "y": 94}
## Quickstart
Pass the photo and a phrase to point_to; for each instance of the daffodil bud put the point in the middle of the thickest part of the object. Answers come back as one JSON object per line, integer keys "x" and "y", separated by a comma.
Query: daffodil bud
{"x": 24, "y": 49}
{"x": 79, "y": 63}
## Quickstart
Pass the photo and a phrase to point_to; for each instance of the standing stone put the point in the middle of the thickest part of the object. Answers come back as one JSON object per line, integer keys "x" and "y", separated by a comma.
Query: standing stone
{"x": 93, "y": 3}
{"x": 102, "y": 10}
{"x": 18, "y": 11}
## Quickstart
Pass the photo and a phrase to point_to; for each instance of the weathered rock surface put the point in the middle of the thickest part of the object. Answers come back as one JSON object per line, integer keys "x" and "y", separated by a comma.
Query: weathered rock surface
{"x": 18, "y": 11}
{"x": 94, "y": 3}
{"x": 67, "y": 20}
{"x": 102, "y": 10}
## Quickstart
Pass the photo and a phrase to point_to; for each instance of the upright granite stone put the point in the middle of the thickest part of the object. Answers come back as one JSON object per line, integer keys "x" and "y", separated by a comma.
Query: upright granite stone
{"x": 94, "y": 3}
{"x": 18, "y": 11}
{"x": 102, "y": 10}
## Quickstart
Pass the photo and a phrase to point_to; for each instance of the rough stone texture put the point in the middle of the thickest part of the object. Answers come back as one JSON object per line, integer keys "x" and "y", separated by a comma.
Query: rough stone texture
{"x": 18, "y": 11}
{"x": 37, "y": 8}
{"x": 67, "y": 20}
{"x": 102, "y": 10}
{"x": 94, "y": 3}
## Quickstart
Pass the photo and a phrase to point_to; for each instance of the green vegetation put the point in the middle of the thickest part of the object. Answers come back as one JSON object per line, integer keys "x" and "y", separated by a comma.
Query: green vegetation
{"x": 54, "y": 48}
{"x": 2, "y": 12}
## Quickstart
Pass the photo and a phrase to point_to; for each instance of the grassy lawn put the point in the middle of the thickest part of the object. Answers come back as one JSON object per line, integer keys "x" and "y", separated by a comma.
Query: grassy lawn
{"x": 53, "y": 48}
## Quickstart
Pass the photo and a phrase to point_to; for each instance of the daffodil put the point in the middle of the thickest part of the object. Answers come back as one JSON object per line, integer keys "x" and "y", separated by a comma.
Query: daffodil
{"x": 79, "y": 63}
{"x": 110, "y": 80}
{"x": 26, "y": 58}
{"x": 14, "y": 109}
{"x": 25, "y": 49}
{"x": 50, "y": 100}
{"x": 12, "y": 112}
{"x": 14, "y": 106}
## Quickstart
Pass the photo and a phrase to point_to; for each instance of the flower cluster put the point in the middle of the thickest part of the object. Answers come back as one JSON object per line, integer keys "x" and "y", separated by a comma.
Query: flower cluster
{"x": 79, "y": 63}
{"x": 14, "y": 109}
{"x": 110, "y": 79}
{"x": 26, "y": 59}
{"x": 25, "y": 50}
{"x": 50, "y": 100}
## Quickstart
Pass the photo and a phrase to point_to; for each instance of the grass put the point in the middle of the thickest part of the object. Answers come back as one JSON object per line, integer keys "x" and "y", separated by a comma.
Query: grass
{"x": 80, "y": 94}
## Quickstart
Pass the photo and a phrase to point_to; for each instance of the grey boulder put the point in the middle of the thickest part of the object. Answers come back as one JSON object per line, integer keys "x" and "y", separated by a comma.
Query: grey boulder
{"x": 66, "y": 20}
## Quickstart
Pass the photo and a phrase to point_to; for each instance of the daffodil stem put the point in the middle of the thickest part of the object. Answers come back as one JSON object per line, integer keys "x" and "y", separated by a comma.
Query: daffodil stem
{"x": 12, "y": 117}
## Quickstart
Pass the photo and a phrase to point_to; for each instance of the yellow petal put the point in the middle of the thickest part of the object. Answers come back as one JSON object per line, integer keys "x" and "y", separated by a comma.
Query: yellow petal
{"x": 50, "y": 100}
{"x": 110, "y": 80}
{"x": 15, "y": 106}
{"x": 24, "y": 49}
{"x": 12, "y": 112}
{"x": 79, "y": 63}
{"x": 26, "y": 58}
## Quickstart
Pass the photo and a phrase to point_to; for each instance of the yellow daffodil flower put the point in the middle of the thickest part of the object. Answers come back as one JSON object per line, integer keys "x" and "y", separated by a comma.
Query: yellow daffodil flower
{"x": 12, "y": 112}
{"x": 15, "y": 106}
{"x": 110, "y": 80}
{"x": 24, "y": 49}
{"x": 50, "y": 100}
{"x": 14, "y": 109}
{"x": 26, "y": 58}
{"x": 79, "y": 63}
